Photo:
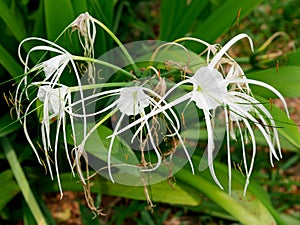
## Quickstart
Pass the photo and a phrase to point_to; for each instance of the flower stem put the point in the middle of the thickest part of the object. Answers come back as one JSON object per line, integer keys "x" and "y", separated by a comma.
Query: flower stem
{"x": 126, "y": 53}
{"x": 112, "y": 66}
{"x": 102, "y": 85}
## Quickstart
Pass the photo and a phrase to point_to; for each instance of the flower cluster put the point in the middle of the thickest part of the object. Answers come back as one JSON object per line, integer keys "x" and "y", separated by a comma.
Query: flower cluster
{"x": 218, "y": 83}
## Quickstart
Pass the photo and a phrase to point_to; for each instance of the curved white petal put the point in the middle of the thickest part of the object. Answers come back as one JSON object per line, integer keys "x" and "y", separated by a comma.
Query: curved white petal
{"x": 209, "y": 88}
{"x": 226, "y": 47}
{"x": 132, "y": 101}
{"x": 210, "y": 147}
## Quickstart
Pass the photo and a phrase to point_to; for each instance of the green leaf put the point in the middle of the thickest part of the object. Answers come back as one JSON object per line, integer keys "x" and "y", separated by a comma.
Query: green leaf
{"x": 160, "y": 192}
{"x": 22, "y": 181}
{"x": 289, "y": 219}
{"x": 286, "y": 126}
{"x": 177, "y": 19}
{"x": 27, "y": 215}
{"x": 255, "y": 208}
{"x": 102, "y": 11}
{"x": 9, "y": 63}
{"x": 79, "y": 6}
{"x": 222, "y": 18}
{"x": 58, "y": 15}
{"x": 211, "y": 208}
{"x": 292, "y": 58}
{"x": 13, "y": 21}
{"x": 38, "y": 16}
{"x": 9, "y": 188}
{"x": 98, "y": 143}
{"x": 286, "y": 80}
{"x": 7, "y": 125}
{"x": 87, "y": 216}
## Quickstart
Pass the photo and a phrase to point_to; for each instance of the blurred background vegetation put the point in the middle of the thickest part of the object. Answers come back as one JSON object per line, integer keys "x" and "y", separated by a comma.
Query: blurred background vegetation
{"x": 210, "y": 20}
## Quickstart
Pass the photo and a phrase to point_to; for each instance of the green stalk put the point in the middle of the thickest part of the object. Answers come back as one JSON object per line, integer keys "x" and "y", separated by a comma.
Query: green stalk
{"x": 109, "y": 65}
{"x": 126, "y": 53}
{"x": 95, "y": 86}
{"x": 22, "y": 181}
{"x": 107, "y": 116}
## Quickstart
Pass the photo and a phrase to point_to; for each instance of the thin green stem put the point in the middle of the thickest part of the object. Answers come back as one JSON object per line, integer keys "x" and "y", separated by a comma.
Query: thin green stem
{"x": 22, "y": 181}
{"x": 109, "y": 65}
{"x": 126, "y": 53}
{"x": 119, "y": 84}
{"x": 107, "y": 116}
{"x": 102, "y": 85}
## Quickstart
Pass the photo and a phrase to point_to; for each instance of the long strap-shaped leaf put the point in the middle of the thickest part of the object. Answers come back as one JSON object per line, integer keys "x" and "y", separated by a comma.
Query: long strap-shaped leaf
{"x": 227, "y": 13}
{"x": 177, "y": 17}
{"x": 22, "y": 181}
{"x": 254, "y": 208}
{"x": 9, "y": 63}
{"x": 12, "y": 21}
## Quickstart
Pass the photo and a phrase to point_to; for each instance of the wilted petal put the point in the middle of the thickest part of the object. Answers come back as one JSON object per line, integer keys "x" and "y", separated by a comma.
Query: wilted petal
{"x": 52, "y": 65}
{"x": 55, "y": 97}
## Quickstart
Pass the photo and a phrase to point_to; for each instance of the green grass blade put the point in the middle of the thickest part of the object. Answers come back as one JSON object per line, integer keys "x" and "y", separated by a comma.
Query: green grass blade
{"x": 252, "y": 209}
{"x": 7, "y": 125}
{"x": 11, "y": 18}
{"x": 87, "y": 216}
{"x": 9, "y": 63}
{"x": 58, "y": 15}
{"x": 177, "y": 19}
{"x": 222, "y": 19}
{"x": 28, "y": 218}
{"x": 9, "y": 188}
{"x": 286, "y": 80}
{"x": 22, "y": 181}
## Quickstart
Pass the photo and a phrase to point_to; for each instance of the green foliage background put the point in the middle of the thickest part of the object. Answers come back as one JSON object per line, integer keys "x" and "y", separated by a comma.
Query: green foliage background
{"x": 22, "y": 179}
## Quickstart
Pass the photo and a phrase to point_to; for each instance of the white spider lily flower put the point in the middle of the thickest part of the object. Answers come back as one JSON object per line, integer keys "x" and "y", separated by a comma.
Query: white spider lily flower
{"x": 55, "y": 101}
{"x": 55, "y": 98}
{"x": 209, "y": 90}
{"x": 241, "y": 108}
{"x": 132, "y": 101}
{"x": 53, "y": 69}
{"x": 54, "y": 65}
{"x": 212, "y": 91}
